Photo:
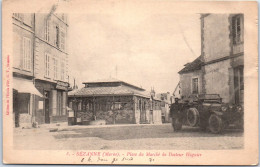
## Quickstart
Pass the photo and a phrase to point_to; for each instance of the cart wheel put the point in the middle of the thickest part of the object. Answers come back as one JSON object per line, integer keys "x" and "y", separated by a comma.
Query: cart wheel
{"x": 176, "y": 124}
{"x": 192, "y": 117}
{"x": 215, "y": 124}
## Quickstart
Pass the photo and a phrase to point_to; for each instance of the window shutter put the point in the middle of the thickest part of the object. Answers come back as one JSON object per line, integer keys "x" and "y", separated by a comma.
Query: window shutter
{"x": 46, "y": 29}
{"x": 237, "y": 28}
{"x": 29, "y": 61}
{"x": 234, "y": 29}
{"x": 57, "y": 36}
{"x": 24, "y": 54}
{"x": 26, "y": 50}
{"x": 47, "y": 65}
{"x": 53, "y": 67}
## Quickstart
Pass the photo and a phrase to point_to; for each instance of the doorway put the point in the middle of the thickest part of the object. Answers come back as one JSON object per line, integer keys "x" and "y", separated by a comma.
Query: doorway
{"x": 239, "y": 84}
{"x": 47, "y": 107}
{"x": 15, "y": 108}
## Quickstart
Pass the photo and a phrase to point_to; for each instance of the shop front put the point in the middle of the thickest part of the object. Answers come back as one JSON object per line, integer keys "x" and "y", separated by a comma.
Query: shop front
{"x": 24, "y": 93}
{"x": 52, "y": 107}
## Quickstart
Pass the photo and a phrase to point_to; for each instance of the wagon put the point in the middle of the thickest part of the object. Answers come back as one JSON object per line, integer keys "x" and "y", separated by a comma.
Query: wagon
{"x": 206, "y": 111}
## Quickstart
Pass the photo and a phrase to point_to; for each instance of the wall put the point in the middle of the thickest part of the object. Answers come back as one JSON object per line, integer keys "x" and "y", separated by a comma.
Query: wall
{"x": 22, "y": 30}
{"x": 218, "y": 80}
{"x": 215, "y": 36}
{"x": 186, "y": 82}
{"x": 43, "y": 46}
{"x": 218, "y": 43}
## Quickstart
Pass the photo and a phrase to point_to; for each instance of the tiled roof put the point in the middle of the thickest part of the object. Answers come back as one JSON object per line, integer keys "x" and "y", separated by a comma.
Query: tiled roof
{"x": 193, "y": 66}
{"x": 103, "y": 91}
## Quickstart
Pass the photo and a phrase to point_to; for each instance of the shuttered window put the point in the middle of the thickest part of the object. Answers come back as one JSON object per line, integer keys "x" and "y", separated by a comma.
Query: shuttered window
{"x": 57, "y": 37}
{"x": 62, "y": 39}
{"x": 62, "y": 71}
{"x": 27, "y": 54}
{"x": 55, "y": 68}
{"x": 47, "y": 65}
{"x": 237, "y": 29}
{"x": 47, "y": 30}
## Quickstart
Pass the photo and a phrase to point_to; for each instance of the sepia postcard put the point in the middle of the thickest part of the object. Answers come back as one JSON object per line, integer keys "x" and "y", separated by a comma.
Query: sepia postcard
{"x": 130, "y": 82}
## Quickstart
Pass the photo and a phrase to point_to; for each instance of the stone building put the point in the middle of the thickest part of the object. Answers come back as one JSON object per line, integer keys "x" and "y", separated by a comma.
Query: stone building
{"x": 191, "y": 78}
{"x": 222, "y": 49}
{"x": 24, "y": 91}
{"x": 114, "y": 101}
{"x": 39, "y": 68}
{"x": 51, "y": 66}
{"x": 219, "y": 69}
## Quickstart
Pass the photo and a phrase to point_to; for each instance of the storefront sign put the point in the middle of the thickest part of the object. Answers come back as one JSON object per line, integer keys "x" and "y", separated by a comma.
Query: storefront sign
{"x": 62, "y": 85}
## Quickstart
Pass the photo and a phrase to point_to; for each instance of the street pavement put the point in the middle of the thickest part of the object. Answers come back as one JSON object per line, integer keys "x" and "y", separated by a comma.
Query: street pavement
{"x": 121, "y": 137}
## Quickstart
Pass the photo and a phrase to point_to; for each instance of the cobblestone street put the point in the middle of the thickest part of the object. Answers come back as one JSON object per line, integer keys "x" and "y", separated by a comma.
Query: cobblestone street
{"x": 132, "y": 137}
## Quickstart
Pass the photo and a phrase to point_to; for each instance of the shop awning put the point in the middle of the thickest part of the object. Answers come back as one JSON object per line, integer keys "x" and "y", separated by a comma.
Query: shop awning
{"x": 25, "y": 86}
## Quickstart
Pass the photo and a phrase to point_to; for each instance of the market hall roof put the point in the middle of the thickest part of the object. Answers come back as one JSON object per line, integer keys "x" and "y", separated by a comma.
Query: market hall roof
{"x": 109, "y": 87}
{"x": 193, "y": 66}
{"x": 110, "y": 82}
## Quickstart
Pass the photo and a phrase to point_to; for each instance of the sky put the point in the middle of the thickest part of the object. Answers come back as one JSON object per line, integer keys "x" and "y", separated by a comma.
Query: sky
{"x": 143, "y": 48}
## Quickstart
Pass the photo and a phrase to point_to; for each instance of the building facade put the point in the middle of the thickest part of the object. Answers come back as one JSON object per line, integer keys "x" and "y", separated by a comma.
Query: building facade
{"x": 23, "y": 73}
{"x": 40, "y": 67}
{"x": 51, "y": 66}
{"x": 220, "y": 68}
{"x": 222, "y": 40}
{"x": 191, "y": 79}
{"x": 114, "y": 101}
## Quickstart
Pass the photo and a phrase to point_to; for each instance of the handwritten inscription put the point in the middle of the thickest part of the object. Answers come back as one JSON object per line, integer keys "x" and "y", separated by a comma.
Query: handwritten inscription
{"x": 108, "y": 157}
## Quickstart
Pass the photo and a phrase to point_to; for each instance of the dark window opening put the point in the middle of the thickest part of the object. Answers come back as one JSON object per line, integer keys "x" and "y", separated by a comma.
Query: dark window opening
{"x": 57, "y": 36}
{"x": 195, "y": 86}
{"x": 237, "y": 29}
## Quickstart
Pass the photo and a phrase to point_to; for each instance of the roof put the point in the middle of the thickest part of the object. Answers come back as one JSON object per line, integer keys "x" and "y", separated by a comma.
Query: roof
{"x": 193, "y": 66}
{"x": 104, "y": 80}
{"x": 101, "y": 82}
{"x": 108, "y": 91}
